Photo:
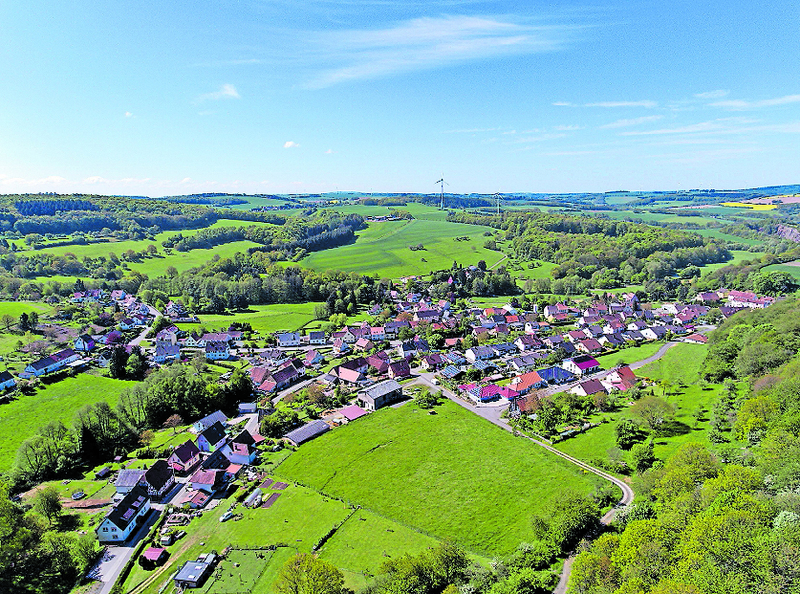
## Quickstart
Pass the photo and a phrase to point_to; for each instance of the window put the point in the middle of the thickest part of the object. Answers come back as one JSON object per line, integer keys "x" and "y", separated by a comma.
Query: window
{"x": 115, "y": 537}
{"x": 105, "y": 529}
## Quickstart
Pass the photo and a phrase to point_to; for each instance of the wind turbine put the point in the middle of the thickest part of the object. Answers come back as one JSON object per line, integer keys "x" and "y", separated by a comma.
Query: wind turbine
{"x": 441, "y": 183}
{"x": 497, "y": 195}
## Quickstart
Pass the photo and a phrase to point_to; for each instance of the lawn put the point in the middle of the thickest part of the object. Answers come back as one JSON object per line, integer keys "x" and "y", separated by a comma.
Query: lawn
{"x": 21, "y": 418}
{"x": 738, "y": 257}
{"x": 787, "y": 268}
{"x": 298, "y": 518}
{"x": 629, "y": 355}
{"x": 383, "y": 249}
{"x": 366, "y": 540}
{"x": 263, "y": 318}
{"x": 451, "y": 475}
{"x": 716, "y": 233}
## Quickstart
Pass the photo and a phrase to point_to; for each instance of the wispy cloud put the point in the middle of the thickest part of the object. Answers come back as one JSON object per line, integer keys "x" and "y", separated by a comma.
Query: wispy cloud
{"x": 429, "y": 42}
{"x": 233, "y": 62}
{"x": 226, "y": 91}
{"x": 570, "y": 128}
{"x": 718, "y": 126}
{"x": 739, "y": 105}
{"x": 632, "y": 122}
{"x": 562, "y": 104}
{"x": 718, "y": 94}
{"x": 470, "y": 130}
{"x": 128, "y": 114}
{"x": 290, "y": 144}
{"x": 647, "y": 104}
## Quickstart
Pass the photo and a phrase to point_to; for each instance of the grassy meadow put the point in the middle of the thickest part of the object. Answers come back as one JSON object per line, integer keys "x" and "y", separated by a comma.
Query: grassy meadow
{"x": 263, "y": 318}
{"x": 451, "y": 474}
{"x": 383, "y": 249}
{"x": 22, "y": 417}
{"x": 681, "y": 366}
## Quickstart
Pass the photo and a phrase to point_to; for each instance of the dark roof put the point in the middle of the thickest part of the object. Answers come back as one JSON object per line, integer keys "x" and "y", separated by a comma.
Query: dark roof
{"x": 308, "y": 431}
{"x": 158, "y": 475}
{"x": 5, "y": 376}
{"x": 214, "y": 433}
{"x": 127, "y": 509}
{"x": 381, "y": 389}
{"x": 186, "y": 451}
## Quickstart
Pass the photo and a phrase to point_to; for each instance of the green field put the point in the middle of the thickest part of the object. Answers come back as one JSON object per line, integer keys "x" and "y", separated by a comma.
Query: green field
{"x": 739, "y": 256}
{"x": 787, "y": 268}
{"x": 681, "y": 365}
{"x": 263, "y": 318}
{"x": 383, "y": 249}
{"x": 629, "y": 355}
{"x": 297, "y": 519}
{"x": 717, "y": 234}
{"x": 21, "y": 418}
{"x": 451, "y": 474}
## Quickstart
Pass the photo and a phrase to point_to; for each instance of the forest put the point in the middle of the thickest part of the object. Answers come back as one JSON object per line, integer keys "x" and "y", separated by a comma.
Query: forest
{"x": 723, "y": 519}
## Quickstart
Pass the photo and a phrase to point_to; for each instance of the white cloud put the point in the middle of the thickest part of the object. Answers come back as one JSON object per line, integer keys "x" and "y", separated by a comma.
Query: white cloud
{"x": 718, "y": 126}
{"x": 562, "y": 104}
{"x": 186, "y": 180}
{"x": 718, "y": 94}
{"x": 290, "y": 144}
{"x": 428, "y": 42}
{"x": 632, "y": 122}
{"x": 568, "y": 128}
{"x": 95, "y": 179}
{"x": 743, "y": 105}
{"x": 226, "y": 91}
{"x": 128, "y": 114}
{"x": 647, "y": 104}
{"x": 329, "y": 152}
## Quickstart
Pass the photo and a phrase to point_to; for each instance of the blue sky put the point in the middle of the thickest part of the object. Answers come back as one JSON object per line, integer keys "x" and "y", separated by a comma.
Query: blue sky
{"x": 155, "y": 98}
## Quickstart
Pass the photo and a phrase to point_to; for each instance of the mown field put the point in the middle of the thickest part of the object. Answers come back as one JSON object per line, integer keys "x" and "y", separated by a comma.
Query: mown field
{"x": 787, "y": 268}
{"x": 383, "y": 249}
{"x": 22, "y": 417}
{"x": 629, "y": 355}
{"x": 681, "y": 366}
{"x": 263, "y": 318}
{"x": 450, "y": 474}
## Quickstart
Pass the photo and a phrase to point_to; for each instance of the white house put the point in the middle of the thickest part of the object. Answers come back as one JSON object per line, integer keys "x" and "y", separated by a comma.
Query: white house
{"x": 288, "y": 339}
{"x": 123, "y": 520}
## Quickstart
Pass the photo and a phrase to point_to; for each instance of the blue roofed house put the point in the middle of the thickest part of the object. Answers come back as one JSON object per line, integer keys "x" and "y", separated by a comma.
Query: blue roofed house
{"x": 307, "y": 432}
{"x": 7, "y": 380}
{"x": 126, "y": 516}
{"x": 166, "y": 351}
{"x": 208, "y": 420}
{"x": 83, "y": 343}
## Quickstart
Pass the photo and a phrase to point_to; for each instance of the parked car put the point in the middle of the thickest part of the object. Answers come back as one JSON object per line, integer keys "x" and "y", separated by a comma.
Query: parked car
{"x": 167, "y": 539}
{"x": 226, "y": 516}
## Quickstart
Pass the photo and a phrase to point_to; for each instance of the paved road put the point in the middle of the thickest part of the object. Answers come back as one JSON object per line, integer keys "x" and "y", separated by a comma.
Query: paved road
{"x": 658, "y": 354}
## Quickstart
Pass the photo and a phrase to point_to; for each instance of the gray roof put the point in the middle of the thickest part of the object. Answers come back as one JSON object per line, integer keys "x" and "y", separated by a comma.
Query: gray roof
{"x": 381, "y": 389}
{"x": 129, "y": 478}
{"x": 308, "y": 431}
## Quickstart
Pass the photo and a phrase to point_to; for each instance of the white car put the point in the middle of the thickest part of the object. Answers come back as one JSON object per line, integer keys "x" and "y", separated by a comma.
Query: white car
{"x": 226, "y": 516}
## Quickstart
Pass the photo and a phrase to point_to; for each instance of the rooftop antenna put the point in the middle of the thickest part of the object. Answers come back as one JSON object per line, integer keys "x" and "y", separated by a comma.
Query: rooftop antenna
{"x": 441, "y": 183}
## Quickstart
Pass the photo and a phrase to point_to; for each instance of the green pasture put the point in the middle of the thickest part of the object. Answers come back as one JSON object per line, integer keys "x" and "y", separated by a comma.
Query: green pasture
{"x": 22, "y": 417}
{"x": 680, "y": 366}
{"x": 263, "y": 318}
{"x": 717, "y": 234}
{"x": 787, "y": 268}
{"x": 383, "y": 249}
{"x": 739, "y": 256}
{"x": 185, "y": 260}
{"x": 365, "y": 541}
{"x": 450, "y": 474}
{"x": 629, "y": 355}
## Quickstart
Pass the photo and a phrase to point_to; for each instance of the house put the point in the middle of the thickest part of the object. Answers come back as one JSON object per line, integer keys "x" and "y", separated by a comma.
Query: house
{"x": 207, "y": 421}
{"x": 166, "y": 351}
{"x": 159, "y": 479}
{"x": 126, "y": 516}
{"x": 128, "y": 479}
{"x": 527, "y": 381}
{"x": 364, "y": 344}
{"x": 345, "y": 374}
{"x": 194, "y": 340}
{"x": 399, "y": 369}
{"x": 622, "y": 379}
{"x": 307, "y": 432}
{"x": 209, "y": 480}
{"x": 127, "y": 324}
{"x": 693, "y": 338}
{"x": 555, "y": 375}
{"x": 432, "y": 362}
{"x": 654, "y": 332}
{"x": 184, "y": 457}
{"x": 527, "y": 342}
{"x": 379, "y": 395}
{"x": 7, "y": 380}
{"x": 216, "y": 350}
{"x": 589, "y": 388}
{"x": 313, "y": 358}
{"x": 241, "y": 449}
{"x": 153, "y": 557}
{"x": 407, "y": 349}
{"x": 478, "y": 353}
{"x": 590, "y": 345}
{"x": 340, "y": 346}
{"x": 378, "y": 333}
{"x": 288, "y": 339}
{"x": 581, "y": 365}
{"x": 84, "y": 343}
{"x": 169, "y": 334}
{"x": 316, "y": 337}
{"x": 52, "y": 363}
{"x": 378, "y": 364}
{"x": 193, "y": 574}
{"x": 211, "y": 438}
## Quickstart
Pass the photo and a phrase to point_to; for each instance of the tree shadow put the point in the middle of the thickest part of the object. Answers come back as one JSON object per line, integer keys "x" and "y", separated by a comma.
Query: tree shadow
{"x": 673, "y": 429}
{"x": 69, "y": 522}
